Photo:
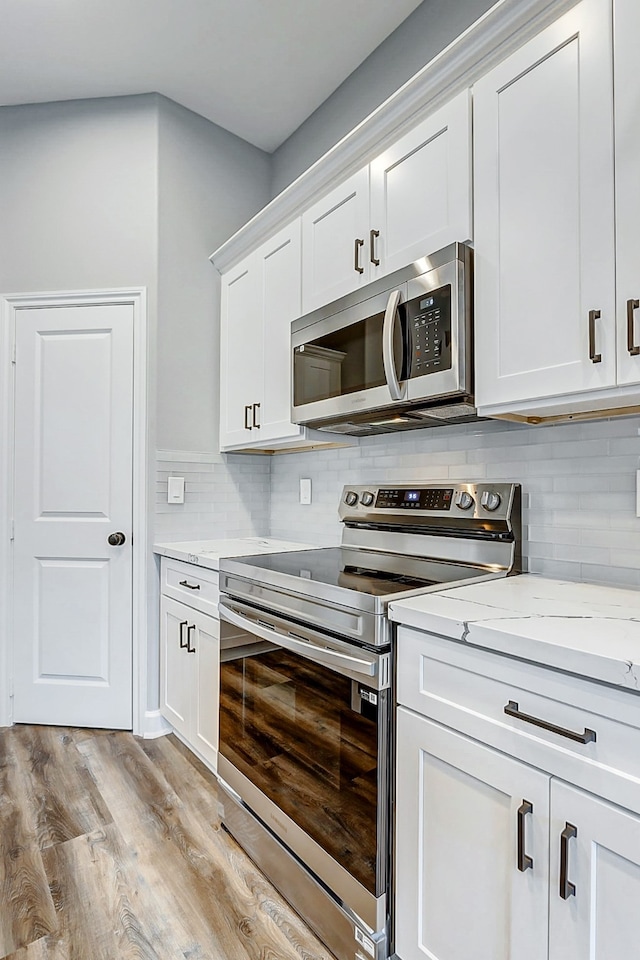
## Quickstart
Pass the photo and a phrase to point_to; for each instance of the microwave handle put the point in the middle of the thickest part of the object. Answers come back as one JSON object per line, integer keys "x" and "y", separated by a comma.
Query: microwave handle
{"x": 388, "y": 329}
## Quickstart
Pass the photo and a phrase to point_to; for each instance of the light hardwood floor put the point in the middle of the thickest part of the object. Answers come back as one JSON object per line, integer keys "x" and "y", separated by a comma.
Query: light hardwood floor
{"x": 111, "y": 849}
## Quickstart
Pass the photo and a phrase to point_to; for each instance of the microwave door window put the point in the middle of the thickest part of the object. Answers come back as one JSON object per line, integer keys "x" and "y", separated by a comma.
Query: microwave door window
{"x": 346, "y": 361}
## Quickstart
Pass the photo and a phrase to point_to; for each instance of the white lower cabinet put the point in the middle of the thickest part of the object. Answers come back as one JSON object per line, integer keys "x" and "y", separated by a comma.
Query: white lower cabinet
{"x": 190, "y": 676}
{"x": 460, "y": 892}
{"x": 594, "y": 900}
{"x": 498, "y": 856}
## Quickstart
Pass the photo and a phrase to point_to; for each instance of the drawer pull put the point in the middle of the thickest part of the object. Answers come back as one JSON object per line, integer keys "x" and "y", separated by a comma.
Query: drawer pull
{"x": 191, "y": 586}
{"x": 524, "y": 862}
{"x": 512, "y": 710}
{"x": 182, "y": 626}
{"x": 567, "y": 889}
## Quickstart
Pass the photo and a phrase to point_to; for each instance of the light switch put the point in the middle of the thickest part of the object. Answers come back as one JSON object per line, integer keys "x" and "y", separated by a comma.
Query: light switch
{"x": 175, "y": 490}
{"x": 305, "y": 490}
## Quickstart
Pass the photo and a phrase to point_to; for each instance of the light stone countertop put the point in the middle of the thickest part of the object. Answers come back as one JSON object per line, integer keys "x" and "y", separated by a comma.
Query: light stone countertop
{"x": 583, "y": 628}
{"x": 208, "y": 553}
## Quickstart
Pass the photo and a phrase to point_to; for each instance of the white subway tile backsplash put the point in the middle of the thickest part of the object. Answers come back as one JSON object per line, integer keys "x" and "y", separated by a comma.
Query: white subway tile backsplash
{"x": 578, "y": 482}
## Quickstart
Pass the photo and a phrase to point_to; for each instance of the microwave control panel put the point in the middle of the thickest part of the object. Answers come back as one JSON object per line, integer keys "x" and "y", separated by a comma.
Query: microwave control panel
{"x": 429, "y": 332}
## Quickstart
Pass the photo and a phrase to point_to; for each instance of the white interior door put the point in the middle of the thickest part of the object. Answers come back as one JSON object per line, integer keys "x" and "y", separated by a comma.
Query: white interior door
{"x": 73, "y": 488}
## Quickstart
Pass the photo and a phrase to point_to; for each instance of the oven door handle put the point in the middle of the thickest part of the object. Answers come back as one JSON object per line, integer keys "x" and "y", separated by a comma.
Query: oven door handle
{"x": 311, "y": 651}
{"x": 396, "y": 389}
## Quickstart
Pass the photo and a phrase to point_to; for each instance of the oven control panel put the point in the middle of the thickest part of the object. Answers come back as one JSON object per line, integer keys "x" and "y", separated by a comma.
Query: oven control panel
{"x": 472, "y": 501}
{"x": 431, "y": 498}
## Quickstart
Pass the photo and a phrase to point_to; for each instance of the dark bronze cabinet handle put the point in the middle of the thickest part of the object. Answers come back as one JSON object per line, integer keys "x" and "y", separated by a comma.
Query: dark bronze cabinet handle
{"x": 356, "y": 256}
{"x": 373, "y": 235}
{"x": 182, "y": 626}
{"x": 524, "y": 862}
{"x": 191, "y": 586}
{"x": 512, "y": 710}
{"x": 256, "y": 409}
{"x": 632, "y": 306}
{"x": 247, "y": 417}
{"x": 190, "y": 649}
{"x": 567, "y": 889}
{"x": 593, "y": 356}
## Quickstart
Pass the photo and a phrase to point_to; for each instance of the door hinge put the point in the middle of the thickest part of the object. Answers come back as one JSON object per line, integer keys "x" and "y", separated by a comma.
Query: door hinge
{"x": 12, "y": 530}
{"x": 13, "y": 355}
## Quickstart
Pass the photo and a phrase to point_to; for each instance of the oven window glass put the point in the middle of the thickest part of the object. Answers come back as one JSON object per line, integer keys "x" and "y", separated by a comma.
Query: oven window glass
{"x": 346, "y": 361}
{"x": 307, "y": 737}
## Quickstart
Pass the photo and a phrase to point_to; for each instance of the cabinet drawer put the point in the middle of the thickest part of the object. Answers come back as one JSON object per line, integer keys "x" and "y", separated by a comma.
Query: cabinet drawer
{"x": 196, "y": 586}
{"x": 468, "y": 689}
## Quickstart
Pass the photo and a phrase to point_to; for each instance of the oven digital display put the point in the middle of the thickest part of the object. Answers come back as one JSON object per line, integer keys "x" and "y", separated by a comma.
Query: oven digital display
{"x": 435, "y": 498}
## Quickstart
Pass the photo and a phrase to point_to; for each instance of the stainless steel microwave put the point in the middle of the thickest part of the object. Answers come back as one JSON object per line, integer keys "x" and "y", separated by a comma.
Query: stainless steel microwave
{"x": 394, "y": 355}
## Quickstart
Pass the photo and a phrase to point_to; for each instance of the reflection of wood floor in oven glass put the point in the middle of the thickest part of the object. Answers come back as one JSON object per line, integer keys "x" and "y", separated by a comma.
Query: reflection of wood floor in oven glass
{"x": 111, "y": 849}
{"x": 289, "y": 726}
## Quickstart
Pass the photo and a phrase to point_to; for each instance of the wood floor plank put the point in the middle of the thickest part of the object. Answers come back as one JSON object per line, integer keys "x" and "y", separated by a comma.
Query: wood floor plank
{"x": 26, "y": 908}
{"x": 218, "y": 893}
{"x": 106, "y": 907}
{"x": 197, "y": 786}
{"x": 65, "y": 800}
{"x": 47, "y": 948}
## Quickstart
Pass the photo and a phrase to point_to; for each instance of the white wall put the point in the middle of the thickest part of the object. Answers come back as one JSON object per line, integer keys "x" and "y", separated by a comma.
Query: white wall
{"x": 427, "y": 31}
{"x": 578, "y": 482}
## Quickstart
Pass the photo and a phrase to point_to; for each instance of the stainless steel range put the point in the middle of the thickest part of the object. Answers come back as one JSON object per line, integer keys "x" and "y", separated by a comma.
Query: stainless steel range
{"x": 306, "y": 691}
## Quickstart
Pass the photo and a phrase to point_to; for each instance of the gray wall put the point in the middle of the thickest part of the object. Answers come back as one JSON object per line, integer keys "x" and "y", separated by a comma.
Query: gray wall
{"x": 78, "y": 191}
{"x": 427, "y": 31}
{"x": 210, "y": 184}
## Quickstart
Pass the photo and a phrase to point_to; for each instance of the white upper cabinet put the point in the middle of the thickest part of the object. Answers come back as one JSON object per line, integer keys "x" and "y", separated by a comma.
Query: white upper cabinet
{"x": 240, "y": 352}
{"x": 421, "y": 190}
{"x": 334, "y": 232}
{"x": 627, "y": 127}
{"x": 544, "y": 214}
{"x": 260, "y": 298}
{"x": 409, "y": 202}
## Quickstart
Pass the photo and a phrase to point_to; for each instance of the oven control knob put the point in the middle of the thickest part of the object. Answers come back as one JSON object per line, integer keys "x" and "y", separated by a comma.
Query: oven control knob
{"x": 351, "y": 498}
{"x": 464, "y": 500}
{"x": 366, "y": 498}
{"x": 491, "y": 500}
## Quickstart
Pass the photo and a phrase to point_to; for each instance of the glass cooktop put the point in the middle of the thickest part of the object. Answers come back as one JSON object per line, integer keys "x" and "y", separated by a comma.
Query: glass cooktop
{"x": 363, "y": 571}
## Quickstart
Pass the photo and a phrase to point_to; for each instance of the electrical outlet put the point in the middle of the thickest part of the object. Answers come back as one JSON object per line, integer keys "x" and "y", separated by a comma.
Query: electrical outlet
{"x": 305, "y": 490}
{"x": 175, "y": 490}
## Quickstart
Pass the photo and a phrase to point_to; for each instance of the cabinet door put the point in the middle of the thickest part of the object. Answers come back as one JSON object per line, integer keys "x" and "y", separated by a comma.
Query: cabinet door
{"x": 206, "y": 678}
{"x": 280, "y": 268}
{"x": 240, "y": 353}
{"x": 598, "y": 919}
{"x": 459, "y": 892}
{"x": 175, "y": 665}
{"x": 421, "y": 189}
{"x": 544, "y": 214}
{"x": 627, "y": 141}
{"x": 335, "y": 233}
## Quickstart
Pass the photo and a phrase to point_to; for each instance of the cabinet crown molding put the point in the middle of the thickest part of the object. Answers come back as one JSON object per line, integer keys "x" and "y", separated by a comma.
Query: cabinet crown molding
{"x": 503, "y": 28}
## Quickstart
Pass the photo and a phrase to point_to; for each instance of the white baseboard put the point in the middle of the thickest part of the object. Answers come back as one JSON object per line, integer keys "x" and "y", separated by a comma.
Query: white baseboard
{"x": 154, "y": 725}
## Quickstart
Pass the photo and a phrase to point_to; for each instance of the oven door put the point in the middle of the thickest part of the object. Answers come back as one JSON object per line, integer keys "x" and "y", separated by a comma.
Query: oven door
{"x": 304, "y": 743}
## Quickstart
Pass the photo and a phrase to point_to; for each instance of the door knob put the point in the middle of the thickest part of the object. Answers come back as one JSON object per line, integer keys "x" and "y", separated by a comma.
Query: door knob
{"x": 116, "y": 539}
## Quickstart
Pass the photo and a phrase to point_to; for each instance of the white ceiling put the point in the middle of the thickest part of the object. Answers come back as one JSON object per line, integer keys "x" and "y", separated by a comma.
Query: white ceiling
{"x": 258, "y": 68}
